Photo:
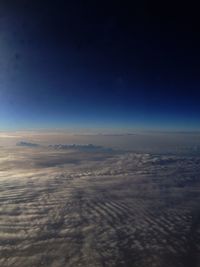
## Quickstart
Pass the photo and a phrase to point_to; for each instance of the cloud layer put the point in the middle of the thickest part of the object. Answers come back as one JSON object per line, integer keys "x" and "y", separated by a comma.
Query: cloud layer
{"x": 63, "y": 207}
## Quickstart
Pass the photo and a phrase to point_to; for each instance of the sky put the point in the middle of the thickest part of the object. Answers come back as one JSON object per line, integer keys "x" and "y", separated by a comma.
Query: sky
{"x": 78, "y": 64}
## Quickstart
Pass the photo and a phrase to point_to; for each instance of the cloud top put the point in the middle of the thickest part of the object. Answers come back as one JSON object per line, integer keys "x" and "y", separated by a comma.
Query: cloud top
{"x": 82, "y": 147}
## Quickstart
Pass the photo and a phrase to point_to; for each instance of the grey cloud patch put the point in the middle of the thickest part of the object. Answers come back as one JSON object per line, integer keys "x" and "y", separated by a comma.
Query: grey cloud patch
{"x": 27, "y": 144}
{"x": 80, "y": 147}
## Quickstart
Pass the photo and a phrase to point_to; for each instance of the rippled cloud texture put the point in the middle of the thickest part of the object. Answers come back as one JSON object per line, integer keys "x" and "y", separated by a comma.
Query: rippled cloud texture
{"x": 119, "y": 207}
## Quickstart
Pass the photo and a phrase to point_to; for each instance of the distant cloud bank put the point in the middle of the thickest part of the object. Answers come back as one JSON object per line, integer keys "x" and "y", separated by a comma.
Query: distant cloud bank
{"x": 27, "y": 144}
{"x": 80, "y": 147}
{"x": 86, "y": 147}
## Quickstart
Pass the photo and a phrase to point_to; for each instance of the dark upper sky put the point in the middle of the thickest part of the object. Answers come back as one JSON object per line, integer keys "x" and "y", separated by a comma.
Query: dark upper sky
{"x": 99, "y": 64}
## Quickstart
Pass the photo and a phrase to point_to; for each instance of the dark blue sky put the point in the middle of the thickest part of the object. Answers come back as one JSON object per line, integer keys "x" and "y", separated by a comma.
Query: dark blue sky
{"x": 84, "y": 64}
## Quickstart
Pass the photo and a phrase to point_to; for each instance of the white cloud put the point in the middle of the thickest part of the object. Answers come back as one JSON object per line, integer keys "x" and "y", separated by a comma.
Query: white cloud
{"x": 73, "y": 207}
